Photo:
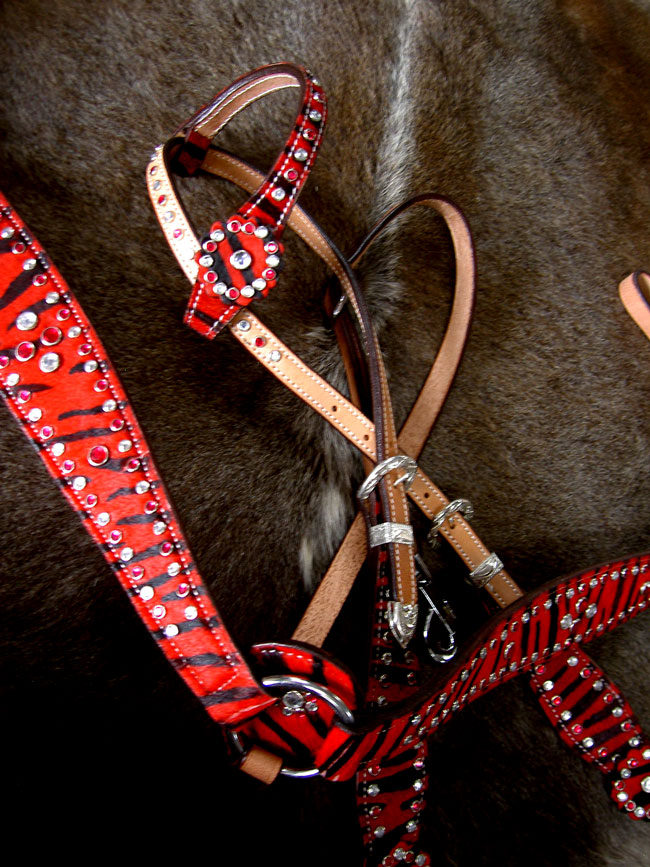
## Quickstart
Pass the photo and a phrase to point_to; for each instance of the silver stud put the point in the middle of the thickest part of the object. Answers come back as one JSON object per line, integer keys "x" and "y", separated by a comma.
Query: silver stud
{"x": 79, "y": 483}
{"x": 142, "y": 487}
{"x": 29, "y": 264}
{"x": 400, "y": 854}
{"x": 244, "y": 325}
{"x": 259, "y": 283}
{"x": 617, "y": 712}
{"x": 622, "y": 797}
{"x": 645, "y": 784}
{"x": 7, "y": 233}
{"x": 171, "y": 631}
{"x": 49, "y": 362}
{"x": 273, "y": 261}
{"x": 103, "y": 518}
{"x": 548, "y": 604}
{"x": 247, "y": 292}
{"x": 124, "y": 445}
{"x": 241, "y": 259}
{"x": 90, "y": 366}
{"x": 587, "y": 743}
{"x": 278, "y": 194}
{"x": 566, "y": 622}
{"x": 146, "y": 593}
{"x": 35, "y": 414}
{"x": 173, "y": 569}
{"x": 126, "y": 554}
{"x": 592, "y": 610}
{"x": 525, "y": 617}
{"x": 598, "y": 685}
{"x": 109, "y": 405}
{"x": 411, "y": 826}
{"x": 26, "y": 321}
{"x": 646, "y": 754}
{"x": 421, "y": 860}
{"x": 219, "y": 288}
{"x": 206, "y": 261}
{"x": 566, "y": 715}
{"x": 276, "y": 355}
{"x": 57, "y": 449}
{"x": 261, "y": 232}
{"x": 614, "y": 576}
{"x": 373, "y": 790}
{"x": 547, "y": 686}
{"x": 191, "y": 612}
{"x": 52, "y": 297}
{"x": 639, "y": 812}
{"x": 379, "y": 831}
{"x": 315, "y": 115}
{"x": 159, "y": 528}
{"x": 572, "y": 661}
{"x": 301, "y": 155}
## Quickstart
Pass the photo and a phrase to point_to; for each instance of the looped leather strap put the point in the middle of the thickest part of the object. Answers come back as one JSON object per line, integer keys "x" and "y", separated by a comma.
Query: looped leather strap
{"x": 237, "y": 260}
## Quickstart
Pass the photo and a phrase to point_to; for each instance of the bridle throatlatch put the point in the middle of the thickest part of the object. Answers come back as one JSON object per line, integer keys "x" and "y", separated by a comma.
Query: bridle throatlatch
{"x": 290, "y": 708}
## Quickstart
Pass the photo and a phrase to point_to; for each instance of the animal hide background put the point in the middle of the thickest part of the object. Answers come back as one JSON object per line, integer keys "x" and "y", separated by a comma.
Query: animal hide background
{"x": 534, "y": 117}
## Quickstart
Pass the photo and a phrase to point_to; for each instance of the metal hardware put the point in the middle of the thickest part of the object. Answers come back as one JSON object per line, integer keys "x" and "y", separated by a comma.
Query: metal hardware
{"x": 440, "y": 653}
{"x": 293, "y": 681}
{"x": 485, "y": 571}
{"x": 463, "y": 506}
{"x": 343, "y": 300}
{"x": 383, "y": 468}
{"x": 390, "y": 532}
{"x": 402, "y": 619}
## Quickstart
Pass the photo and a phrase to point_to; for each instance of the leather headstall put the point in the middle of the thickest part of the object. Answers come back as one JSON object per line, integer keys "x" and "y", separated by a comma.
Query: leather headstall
{"x": 291, "y": 708}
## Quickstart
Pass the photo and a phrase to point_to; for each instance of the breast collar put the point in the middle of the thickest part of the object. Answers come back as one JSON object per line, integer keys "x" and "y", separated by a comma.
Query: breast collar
{"x": 291, "y": 708}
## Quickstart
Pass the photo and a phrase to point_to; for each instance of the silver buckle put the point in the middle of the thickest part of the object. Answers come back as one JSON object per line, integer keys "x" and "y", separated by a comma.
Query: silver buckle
{"x": 485, "y": 571}
{"x": 278, "y": 681}
{"x": 463, "y": 506}
{"x": 383, "y": 468}
{"x": 390, "y": 533}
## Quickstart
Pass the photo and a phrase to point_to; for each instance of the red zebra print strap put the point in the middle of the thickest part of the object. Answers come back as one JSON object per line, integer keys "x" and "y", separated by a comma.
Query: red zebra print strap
{"x": 238, "y": 260}
{"x": 593, "y": 717}
{"x": 58, "y": 382}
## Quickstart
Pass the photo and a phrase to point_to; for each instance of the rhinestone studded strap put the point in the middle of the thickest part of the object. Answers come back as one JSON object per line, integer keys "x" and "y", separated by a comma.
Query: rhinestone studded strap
{"x": 239, "y": 259}
{"x": 58, "y": 382}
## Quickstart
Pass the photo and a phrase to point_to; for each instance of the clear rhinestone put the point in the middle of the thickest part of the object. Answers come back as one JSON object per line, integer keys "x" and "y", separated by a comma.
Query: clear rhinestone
{"x": 547, "y": 686}
{"x": 301, "y": 155}
{"x": 259, "y": 283}
{"x": 146, "y": 593}
{"x": 646, "y": 754}
{"x": 29, "y": 264}
{"x": 90, "y": 366}
{"x": 126, "y": 554}
{"x": 159, "y": 528}
{"x": 566, "y": 715}
{"x": 315, "y": 115}
{"x": 566, "y": 622}
{"x": 49, "y": 362}
{"x": 639, "y": 812}
{"x": 400, "y": 854}
{"x": 57, "y": 449}
{"x": 168, "y": 216}
{"x": 124, "y": 445}
{"x": 418, "y": 785}
{"x": 548, "y": 604}
{"x": 372, "y": 790}
{"x": 171, "y": 631}
{"x": 79, "y": 483}
{"x": 52, "y": 297}
{"x": 35, "y": 414}
{"x": 219, "y": 288}
{"x": 206, "y": 261}
{"x": 572, "y": 661}
{"x": 598, "y": 685}
{"x": 261, "y": 232}
{"x": 379, "y": 831}
{"x": 634, "y": 742}
{"x": 248, "y": 292}
{"x": 109, "y": 405}
{"x": 142, "y": 487}
{"x": 588, "y": 743}
{"x": 411, "y": 826}
{"x": 244, "y": 325}
{"x": 645, "y": 784}
{"x": 293, "y": 700}
{"x": 26, "y": 321}
{"x": 241, "y": 259}
{"x": 276, "y": 355}
{"x": 278, "y": 194}
{"x": 173, "y": 569}
{"x": 191, "y": 612}
{"x": 273, "y": 261}
{"x": 217, "y": 235}
{"x": 421, "y": 860}
{"x": 311, "y": 706}
{"x": 103, "y": 518}
{"x": 7, "y": 233}
{"x": 617, "y": 712}
{"x": 626, "y": 773}
{"x": 622, "y": 797}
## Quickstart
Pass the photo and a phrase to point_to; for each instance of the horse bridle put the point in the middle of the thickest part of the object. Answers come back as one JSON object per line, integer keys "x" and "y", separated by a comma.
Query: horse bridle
{"x": 293, "y": 709}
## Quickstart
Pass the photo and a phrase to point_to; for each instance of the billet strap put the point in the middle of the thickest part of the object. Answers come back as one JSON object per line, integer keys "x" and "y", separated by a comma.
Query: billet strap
{"x": 238, "y": 259}
{"x": 58, "y": 382}
{"x": 388, "y": 498}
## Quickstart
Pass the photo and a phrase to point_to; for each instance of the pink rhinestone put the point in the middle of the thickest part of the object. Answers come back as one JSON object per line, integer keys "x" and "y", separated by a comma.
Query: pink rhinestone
{"x": 630, "y": 806}
{"x": 416, "y": 806}
{"x": 67, "y": 466}
{"x": 627, "y": 726}
{"x": 132, "y": 465}
{"x": 374, "y": 811}
{"x": 4, "y": 360}
{"x": 153, "y": 170}
{"x": 234, "y": 226}
{"x": 40, "y": 280}
{"x": 18, "y": 247}
{"x": 309, "y": 134}
{"x": 210, "y": 277}
{"x": 63, "y": 314}
{"x": 540, "y": 669}
{"x": 51, "y": 336}
{"x": 608, "y": 698}
{"x": 98, "y": 456}
{"x": 259, "y": 341}
{"x": 268, "y": 274}
{"x": 633, "y": 763}
{"x": 576, "y": 729}
{"x": 619, "y": 785}
{"x": 233, "y": 293}
{"x": 291, "y": 175}
{"x": 166, "y": 548}
{"x": 101, "y": 385}
{"x": 25, "y": 350}
{"x": 210, "y": 246}
{"x": 150, "y": 507}
{"x": 271, "y": 247}
{"x": 24, "y": 395}
{"x": 249, "y": 228}
{"x": 556, "y": 700}
{"x": 117, "y": 424}
{"x": 158, "y": 611}
{"x": 47, "y": 432}
{"x": 84, "y": 349}
{"x": 183, "y": 590}
{"x": 91, "y": 500}
{"x": 137, "y": 572}
{"x": 162, "y": 200}
{"x": 178, "y": 233}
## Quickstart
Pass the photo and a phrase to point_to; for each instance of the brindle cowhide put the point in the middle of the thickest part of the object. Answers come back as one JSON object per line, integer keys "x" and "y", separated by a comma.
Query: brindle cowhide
{"x": 534, "y": 117}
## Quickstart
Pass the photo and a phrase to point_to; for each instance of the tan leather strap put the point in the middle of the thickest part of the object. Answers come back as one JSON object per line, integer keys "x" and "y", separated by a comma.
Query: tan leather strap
{"x": 635, "y": 295}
